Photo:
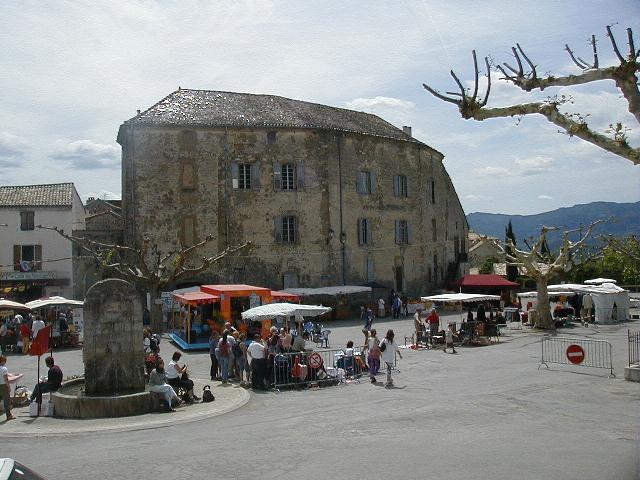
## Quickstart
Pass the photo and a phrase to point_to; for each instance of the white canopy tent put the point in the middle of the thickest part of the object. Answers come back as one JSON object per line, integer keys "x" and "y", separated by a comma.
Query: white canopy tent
{"x": 460, "y": 298}
{"x": 273, "y": 310}
{"x": 610, "y": 302}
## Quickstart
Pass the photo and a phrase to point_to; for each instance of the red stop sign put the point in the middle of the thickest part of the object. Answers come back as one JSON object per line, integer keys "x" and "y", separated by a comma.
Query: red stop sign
{"x": 575, "y": 354}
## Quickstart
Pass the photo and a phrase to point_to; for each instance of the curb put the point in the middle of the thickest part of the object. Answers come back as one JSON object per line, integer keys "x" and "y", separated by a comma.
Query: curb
{"x": 228, "y": 398}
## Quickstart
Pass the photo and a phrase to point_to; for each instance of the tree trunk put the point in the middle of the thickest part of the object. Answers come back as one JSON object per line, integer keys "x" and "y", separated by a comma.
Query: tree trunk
{"x": 544, "y": 321}
{"x": 156, "y": 309}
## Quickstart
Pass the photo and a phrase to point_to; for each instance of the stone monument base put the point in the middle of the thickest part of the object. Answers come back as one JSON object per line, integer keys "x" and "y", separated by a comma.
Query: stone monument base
{"x": 69, "y": 402}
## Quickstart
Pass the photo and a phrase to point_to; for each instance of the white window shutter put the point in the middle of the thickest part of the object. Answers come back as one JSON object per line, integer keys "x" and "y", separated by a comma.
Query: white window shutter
{"x": 234, "y": 175}
{"x": 277, "y": 176}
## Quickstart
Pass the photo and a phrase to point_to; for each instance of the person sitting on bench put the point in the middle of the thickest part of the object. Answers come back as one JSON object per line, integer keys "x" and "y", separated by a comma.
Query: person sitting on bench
{"x": 177, "y": 377}
{"x": 54, "y": 380}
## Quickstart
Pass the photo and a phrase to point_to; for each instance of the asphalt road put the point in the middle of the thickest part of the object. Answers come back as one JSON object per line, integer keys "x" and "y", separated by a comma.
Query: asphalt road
{"x": 486, "y": 412}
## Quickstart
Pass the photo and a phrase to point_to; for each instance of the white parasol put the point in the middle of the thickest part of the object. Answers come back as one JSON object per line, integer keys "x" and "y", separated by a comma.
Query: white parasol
{"x": 9, "y": 305}
{"x": 460, "y": 297}
{"x": 272, "y": 310}
{"x": 53, "y": 301}
{"x": 599, "y": 281}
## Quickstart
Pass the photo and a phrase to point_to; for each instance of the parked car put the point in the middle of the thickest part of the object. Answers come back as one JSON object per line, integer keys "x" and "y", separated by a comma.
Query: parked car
{"x": 12, "y": 470}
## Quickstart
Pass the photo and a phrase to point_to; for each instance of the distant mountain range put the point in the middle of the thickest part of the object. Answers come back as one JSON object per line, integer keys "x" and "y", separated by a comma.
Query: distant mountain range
{"x": 624, "y": 220}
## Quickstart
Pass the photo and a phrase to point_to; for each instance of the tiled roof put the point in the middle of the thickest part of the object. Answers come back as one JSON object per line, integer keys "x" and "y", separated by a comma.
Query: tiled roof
{"x": 52, "y": 195}
{"x": 210, "y": 108}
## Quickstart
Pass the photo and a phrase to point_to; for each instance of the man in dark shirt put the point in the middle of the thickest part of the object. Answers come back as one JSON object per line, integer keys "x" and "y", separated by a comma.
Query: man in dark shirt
{"x": 54, "y": 380}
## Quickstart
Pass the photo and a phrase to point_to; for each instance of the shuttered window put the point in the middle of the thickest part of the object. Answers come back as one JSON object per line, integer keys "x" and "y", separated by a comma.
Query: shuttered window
{"x": 288, "y": 177}
{"x": 364, "y": 231}
{"x": 286, "y": 229}
{"x": 245, "y": 176}
{"x": 365, "y": 182}
{"x": 27, "y": 220}
{"x": 402, "y": 232}
{"x": 27, "y": 258}
{"x": 400, "y": 186}
{"x": 188, "y": 231}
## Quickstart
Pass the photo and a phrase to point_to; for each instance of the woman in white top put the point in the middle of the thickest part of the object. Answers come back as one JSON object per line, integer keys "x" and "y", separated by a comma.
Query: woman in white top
{"x": 389, "y": 348}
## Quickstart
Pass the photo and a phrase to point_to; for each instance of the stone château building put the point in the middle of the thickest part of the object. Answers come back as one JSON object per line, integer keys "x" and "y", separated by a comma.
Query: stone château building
{"x": 328, "y": 196}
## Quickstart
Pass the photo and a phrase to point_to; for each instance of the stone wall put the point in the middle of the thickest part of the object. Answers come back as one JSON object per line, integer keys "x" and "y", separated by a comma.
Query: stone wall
{"x": 174, "y": 178}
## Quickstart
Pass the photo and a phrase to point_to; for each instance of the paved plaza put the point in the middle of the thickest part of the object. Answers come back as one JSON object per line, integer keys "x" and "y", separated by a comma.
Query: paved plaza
{"x": 485, "y": 412}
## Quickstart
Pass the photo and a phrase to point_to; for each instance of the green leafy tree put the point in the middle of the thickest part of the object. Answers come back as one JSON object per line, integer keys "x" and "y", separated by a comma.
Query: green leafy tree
{"x": 487, "y": 265}
{"x": 510, "y": 245}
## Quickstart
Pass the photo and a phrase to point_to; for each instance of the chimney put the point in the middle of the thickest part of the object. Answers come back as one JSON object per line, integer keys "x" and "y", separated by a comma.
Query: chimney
{"x": 406, "y": 130}
{"x": 138, "y": 112}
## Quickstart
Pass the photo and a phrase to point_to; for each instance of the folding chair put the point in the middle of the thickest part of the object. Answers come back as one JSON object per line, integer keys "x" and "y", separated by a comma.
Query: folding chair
{"x": 324, "y": 340}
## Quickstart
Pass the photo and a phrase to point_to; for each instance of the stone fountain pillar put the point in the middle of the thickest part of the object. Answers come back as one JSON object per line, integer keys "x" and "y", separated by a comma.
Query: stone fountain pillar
{"x": 113, "y": 351}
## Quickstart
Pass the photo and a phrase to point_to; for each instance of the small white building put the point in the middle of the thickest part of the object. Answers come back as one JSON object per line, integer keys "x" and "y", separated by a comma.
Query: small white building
{"x": 34, "y": 262}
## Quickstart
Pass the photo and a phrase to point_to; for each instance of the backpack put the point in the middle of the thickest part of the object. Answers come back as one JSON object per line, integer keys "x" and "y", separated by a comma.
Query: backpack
{"x": 383, "y": 345}
{"x": 207, "y": 396}
{"x": 223, "y": 349}
{"x": 237, "y": 351}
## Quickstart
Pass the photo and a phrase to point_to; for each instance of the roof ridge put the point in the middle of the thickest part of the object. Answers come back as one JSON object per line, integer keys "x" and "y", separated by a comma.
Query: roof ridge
{"x": 36, "y": 185}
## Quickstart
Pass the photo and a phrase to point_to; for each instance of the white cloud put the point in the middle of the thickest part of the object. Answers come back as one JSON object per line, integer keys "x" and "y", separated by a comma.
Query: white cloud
{"x": 88, "y": 155}
{"x": 370, "y": 104}
{"x": 535, "y": 165}
{"x": 490, "y": 171}
{"x": 12, "y": 148}
{"x": 544, "y": 197}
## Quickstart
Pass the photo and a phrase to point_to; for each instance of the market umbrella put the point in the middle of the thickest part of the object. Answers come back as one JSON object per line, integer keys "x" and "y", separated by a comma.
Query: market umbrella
{"x": 271, "y": 310}
{"x": 460, "y": 297}
{"x": 53, "y": 301}
{"x": 598, "y": 281}
{"x": 9, "y": 305}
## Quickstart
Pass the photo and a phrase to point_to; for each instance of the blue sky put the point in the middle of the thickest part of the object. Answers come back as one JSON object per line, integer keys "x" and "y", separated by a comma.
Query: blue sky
{"x": 72, "y": 72}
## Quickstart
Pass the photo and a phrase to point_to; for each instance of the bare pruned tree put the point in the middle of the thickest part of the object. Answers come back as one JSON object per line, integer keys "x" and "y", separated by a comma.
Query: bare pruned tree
{"x": 525, "y": 76}
{"x": 542, "y": 266}
{"x": 147, "y": 267}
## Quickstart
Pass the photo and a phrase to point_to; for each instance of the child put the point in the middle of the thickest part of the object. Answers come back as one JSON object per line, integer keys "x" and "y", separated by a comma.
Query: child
{"x": 389, "y": 348}
{"x": 449, "y": 340}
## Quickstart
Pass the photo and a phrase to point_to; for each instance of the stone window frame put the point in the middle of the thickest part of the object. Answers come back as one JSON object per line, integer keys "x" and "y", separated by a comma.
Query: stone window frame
{"x": 188, "y": 235}
{"x": 188, "y": 180}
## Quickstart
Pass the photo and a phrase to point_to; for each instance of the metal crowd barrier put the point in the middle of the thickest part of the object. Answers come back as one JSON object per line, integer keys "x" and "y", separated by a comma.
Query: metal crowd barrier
{"x": 581, "y": 352}
{"x": 317, "y": 367}
{"x": 634, "y": 347}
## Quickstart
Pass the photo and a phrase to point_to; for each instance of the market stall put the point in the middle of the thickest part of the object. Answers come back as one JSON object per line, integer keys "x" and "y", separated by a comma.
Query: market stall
{"x": 57, "y": 311}
{"x": 193, "y": 321}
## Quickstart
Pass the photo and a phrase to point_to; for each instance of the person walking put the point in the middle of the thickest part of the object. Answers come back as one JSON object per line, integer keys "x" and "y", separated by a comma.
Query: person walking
{"x": 5, "y": 388}
{"x": 25, "y": 335}
{"x": 389, "y": 348}
{"x": 373, "y": 354}
{"x": 448, "y": 334}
